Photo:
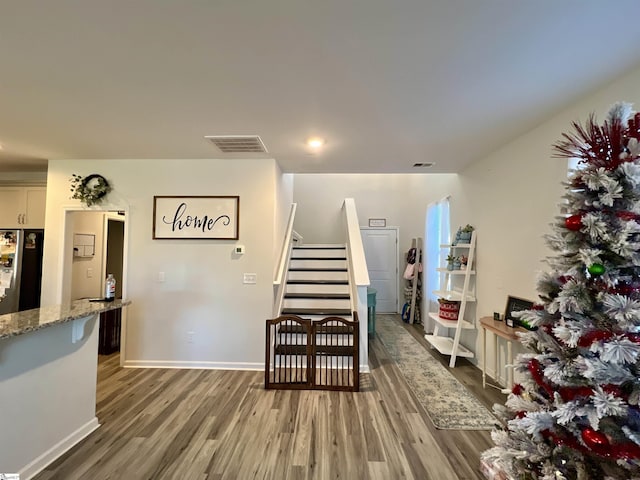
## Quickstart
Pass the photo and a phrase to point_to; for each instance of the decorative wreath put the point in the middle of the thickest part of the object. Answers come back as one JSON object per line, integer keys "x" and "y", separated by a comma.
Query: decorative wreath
{"x": 90, "y": 189}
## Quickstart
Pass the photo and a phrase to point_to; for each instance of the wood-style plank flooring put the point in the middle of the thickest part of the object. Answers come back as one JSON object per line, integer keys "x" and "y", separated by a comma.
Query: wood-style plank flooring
{"x": 215, "y": 425}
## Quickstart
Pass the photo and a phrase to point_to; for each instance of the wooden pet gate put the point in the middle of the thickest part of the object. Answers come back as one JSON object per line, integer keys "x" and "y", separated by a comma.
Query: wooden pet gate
{"x": 312, "y": 354}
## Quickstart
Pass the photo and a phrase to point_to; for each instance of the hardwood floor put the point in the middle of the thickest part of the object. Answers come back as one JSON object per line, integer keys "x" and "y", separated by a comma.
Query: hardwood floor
{"x": 215, "y": 425}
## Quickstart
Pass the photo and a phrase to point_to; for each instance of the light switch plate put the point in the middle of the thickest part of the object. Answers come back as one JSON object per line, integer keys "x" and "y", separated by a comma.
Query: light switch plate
{"x": 250, "y": 278}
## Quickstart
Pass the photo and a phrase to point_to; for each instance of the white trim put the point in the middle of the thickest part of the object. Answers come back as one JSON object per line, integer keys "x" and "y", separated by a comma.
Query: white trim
{"x": 364, "y": 368}
{"x": 193, "y": 365}
{"x": 37, "y": 465}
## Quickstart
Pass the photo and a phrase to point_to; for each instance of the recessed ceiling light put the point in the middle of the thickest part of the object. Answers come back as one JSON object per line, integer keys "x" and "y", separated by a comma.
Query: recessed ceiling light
{"x": 424, "y": 165}
{"x": 315, "y": 142}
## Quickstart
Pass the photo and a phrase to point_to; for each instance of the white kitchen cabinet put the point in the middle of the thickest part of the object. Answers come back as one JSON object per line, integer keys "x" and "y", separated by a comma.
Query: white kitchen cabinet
{"x": 22, "y": 207}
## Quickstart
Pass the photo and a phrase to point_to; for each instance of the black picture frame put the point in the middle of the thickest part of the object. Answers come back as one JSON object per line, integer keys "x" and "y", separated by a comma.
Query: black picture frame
{"x": 516, "y": 304}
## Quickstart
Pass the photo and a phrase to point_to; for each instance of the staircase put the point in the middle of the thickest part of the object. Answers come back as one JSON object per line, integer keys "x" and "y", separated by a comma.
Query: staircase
{"x": 314, "y": 342}
{"x": 318, "y": 283}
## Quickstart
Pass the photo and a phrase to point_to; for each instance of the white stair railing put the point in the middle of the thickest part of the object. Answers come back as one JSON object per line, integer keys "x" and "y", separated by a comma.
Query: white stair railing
{"x": 280, "y": 280}
{"x": 358, "y": 274}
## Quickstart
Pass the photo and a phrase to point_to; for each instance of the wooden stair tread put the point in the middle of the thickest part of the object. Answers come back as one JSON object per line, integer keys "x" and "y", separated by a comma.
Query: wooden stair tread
{"x": 317, "y": 269}
{"x": 341, "y": 350}
{"x": 321, "y": 330}
{"x": 318, "y": 282}
{"x": 318, "y": 295}
{"x": 316, "y": 311}
{"x": 318, "y": 258}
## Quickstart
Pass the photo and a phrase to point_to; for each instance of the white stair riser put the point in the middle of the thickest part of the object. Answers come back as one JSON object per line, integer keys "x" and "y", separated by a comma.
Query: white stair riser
{"x": 316, "y": 303}
{"x": 301, "y": 360}
{"x": 321, "y": 339}
{"x": 317, "y": 288}
{"x": 318, "y": 276}
{"x": 319, "y": 264}
{"x": 316, "y": 252}
{"x": 321, "y": 246}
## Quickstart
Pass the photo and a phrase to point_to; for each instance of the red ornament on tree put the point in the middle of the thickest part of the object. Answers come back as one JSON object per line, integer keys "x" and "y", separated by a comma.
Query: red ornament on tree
{"x": 573, "y": 223}
{"x": 596, "y": 441}
{"x": 517, "y": 389}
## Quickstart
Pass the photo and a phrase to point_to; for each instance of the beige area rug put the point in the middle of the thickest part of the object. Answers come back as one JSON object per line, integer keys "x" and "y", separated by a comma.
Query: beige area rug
{"x": 449, "y": 404}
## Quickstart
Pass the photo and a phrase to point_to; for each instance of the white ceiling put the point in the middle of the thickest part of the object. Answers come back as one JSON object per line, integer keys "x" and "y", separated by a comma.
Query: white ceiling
{"x": 388, "y": 83}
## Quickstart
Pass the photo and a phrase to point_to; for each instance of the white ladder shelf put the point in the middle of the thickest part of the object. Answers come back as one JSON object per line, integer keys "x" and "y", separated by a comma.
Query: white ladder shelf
{"x": 450, "y": 281}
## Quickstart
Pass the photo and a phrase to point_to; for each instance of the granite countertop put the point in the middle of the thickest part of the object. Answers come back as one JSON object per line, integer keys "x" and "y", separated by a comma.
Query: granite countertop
{"x": 13, "y": 324}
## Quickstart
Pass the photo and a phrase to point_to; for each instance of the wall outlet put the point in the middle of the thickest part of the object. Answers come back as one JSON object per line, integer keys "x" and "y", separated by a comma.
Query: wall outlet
{"x": 250, "y": 278}
{"x": 190, "y": 336}
{"x": 239, "y": 250}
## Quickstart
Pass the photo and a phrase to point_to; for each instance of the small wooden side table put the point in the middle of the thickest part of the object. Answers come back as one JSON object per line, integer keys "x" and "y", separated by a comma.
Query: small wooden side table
{"x": 499, "y": 329}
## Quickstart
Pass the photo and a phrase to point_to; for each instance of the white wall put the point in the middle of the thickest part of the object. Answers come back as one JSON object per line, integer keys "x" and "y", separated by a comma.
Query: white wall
{"x": 284, "y": 199}
{"x": 203, "y": 292}
{"x": 87, "y": 272}
{"x": 400, "y": 198}
{"x": 512, "y": 196}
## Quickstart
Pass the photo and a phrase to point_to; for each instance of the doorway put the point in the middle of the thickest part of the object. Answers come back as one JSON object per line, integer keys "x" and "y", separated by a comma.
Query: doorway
{"x": 114, "y": 249}
{"x": 381, "y": 252}
{"x": 83, "y": 275}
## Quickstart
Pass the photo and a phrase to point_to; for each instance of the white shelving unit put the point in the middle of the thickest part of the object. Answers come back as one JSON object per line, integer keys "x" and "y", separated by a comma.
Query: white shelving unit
{"x": 459, "y": 285}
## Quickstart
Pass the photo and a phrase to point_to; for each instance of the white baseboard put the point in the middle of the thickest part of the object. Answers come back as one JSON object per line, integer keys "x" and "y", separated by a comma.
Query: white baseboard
{"x": 36, "y": 466}
{"x": 205, "y": 365}
{"x": 193, "y": 365}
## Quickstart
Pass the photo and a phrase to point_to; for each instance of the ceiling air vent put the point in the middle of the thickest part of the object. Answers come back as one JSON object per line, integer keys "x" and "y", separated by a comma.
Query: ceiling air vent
{"x": 238, "y": 143}
{"x": 424, "y": 165}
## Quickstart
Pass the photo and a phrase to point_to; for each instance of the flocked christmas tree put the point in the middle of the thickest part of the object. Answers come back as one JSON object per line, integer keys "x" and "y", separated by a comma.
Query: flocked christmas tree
{"x": 576, "y": 413}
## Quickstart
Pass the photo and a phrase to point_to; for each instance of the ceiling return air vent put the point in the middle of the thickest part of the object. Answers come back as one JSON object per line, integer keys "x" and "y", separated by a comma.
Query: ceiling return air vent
{"x": 238, "y": 143}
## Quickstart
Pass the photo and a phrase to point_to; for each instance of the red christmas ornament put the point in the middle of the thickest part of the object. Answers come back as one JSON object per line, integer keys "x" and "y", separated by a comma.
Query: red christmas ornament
{"x": 521, "y": 414}
{"x": 626, "y": 451}
{"x": 596, "y": 441}
{"x": 594, "y": 335}
{"x": 634, "y": 337}
{"x": 537, "y": 306}
{"x": 517, "y": 389}
{"x": 573, "y": 223}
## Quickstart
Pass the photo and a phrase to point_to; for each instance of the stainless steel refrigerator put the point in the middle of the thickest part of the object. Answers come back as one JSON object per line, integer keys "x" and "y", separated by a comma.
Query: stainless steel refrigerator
{"x": 20, "y": 269}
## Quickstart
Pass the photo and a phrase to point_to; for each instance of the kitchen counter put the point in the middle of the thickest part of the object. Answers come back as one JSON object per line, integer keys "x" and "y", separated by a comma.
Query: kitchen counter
{"x": 13, "y": 324}
{"x": 48, "y": 374}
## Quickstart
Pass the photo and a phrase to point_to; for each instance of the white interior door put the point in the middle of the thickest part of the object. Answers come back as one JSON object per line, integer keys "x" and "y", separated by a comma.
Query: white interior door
{"x": 381, "y": 253}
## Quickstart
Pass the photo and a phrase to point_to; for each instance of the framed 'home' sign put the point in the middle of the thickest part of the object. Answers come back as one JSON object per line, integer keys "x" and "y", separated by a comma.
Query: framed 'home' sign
{"x": 194, "y": 217}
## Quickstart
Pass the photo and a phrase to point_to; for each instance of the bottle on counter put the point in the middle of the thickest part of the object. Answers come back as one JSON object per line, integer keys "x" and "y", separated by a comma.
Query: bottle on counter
{"x": 110, "y": 288}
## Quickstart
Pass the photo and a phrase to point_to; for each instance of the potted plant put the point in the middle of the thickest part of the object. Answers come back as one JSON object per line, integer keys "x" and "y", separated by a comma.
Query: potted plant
{"x": 465, "y": 233}
{"x": 450, "y": 259}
